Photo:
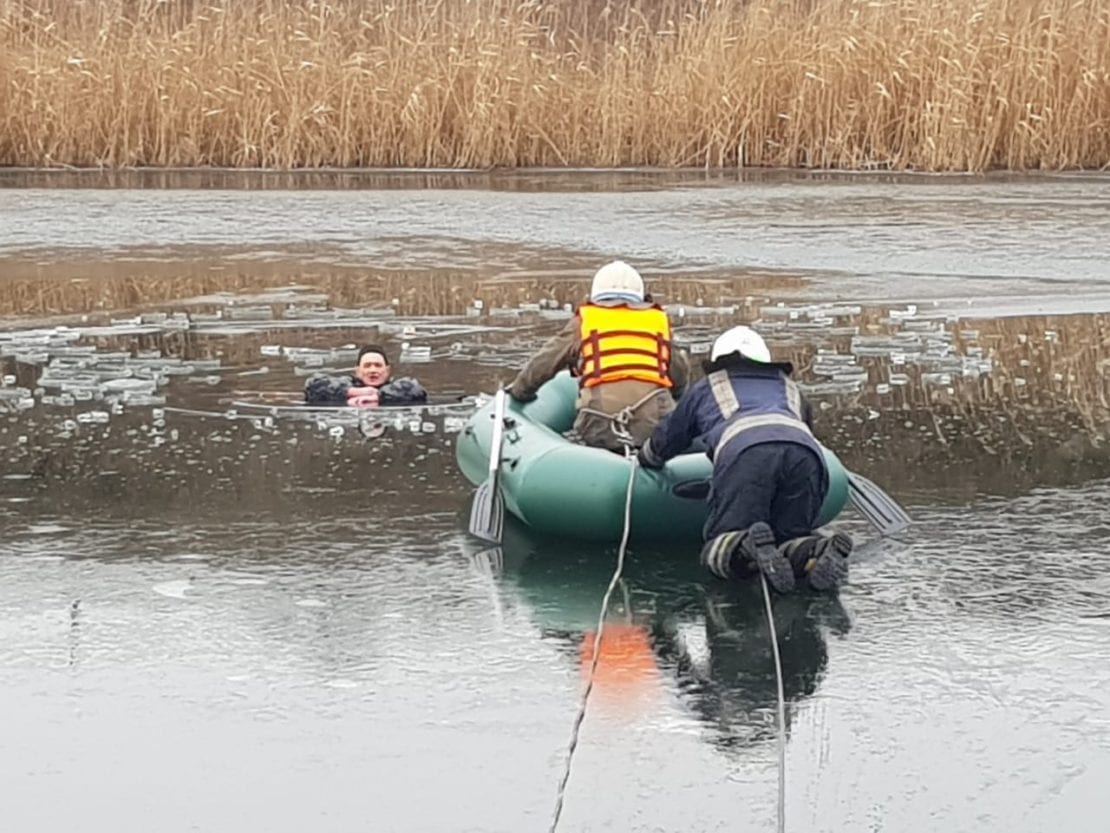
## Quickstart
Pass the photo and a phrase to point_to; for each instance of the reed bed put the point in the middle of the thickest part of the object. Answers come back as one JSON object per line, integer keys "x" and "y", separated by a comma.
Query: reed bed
{"x": 934, "y": 85}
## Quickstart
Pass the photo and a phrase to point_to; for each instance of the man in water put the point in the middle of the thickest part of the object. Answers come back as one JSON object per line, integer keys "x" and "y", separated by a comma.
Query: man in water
{"x": 619, "y": 346}
{"x": 371, "y": 385}
{"x": 769, "y": 476}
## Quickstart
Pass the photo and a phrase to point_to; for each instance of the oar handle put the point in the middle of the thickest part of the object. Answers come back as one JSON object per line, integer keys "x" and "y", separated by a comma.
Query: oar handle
{"x": 498, "y": 430}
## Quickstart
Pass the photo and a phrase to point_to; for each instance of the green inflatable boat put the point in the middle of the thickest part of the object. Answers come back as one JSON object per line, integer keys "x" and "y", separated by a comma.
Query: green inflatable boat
{"x": 557, "y": 487}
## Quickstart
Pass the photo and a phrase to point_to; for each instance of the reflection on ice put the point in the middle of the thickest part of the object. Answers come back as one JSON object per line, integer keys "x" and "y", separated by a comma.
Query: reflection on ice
{"x": 173, "y": 589}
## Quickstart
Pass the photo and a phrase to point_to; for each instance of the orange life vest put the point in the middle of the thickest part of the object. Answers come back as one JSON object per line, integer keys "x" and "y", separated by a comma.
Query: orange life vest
{"x": 624, "y": 342}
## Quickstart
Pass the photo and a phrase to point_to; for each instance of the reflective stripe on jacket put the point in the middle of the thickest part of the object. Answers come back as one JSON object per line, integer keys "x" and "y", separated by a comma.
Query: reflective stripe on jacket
{"x": 624, "y": 342}
{"x": 773, "y": 403}
{"x": 735, "y": 408}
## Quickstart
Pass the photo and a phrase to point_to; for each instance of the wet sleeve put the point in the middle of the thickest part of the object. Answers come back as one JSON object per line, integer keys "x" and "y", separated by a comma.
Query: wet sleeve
{"x": 403, "y": 391}
{"x": 678, "y": 429}
{"x": 326, "y": 390}
{"x": 559, "y": 353}
{"x": 680, "y": 372}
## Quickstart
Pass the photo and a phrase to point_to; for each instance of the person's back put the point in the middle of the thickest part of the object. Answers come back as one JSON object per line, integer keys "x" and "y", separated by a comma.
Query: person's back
{"x": 619, "y": 346}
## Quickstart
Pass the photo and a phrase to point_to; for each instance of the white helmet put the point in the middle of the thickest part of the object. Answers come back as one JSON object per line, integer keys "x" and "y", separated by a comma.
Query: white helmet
{"x": 743, "y": 340}
{"x": 617, "y": 279}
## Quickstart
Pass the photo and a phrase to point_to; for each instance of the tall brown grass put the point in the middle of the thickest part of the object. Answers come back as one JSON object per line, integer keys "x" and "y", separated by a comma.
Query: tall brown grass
{"x": 965, "y": 85}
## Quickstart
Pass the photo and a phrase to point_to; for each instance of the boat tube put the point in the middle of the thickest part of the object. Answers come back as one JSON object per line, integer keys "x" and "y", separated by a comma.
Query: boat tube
{"x": 557, "y": 487}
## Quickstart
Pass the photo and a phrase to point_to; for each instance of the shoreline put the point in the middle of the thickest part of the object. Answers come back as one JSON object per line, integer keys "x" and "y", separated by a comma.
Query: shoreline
{"x": 616, "y": 178}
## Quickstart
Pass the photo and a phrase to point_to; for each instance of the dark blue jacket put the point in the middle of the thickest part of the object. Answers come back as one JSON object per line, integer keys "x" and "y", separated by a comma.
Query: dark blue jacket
{"x": 739, "y": 404}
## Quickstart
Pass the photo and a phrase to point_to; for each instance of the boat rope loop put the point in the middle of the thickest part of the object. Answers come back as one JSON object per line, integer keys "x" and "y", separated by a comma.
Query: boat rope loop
{"x": 781, "y": 705}
{"x": 630, "y": 455}
{"x": 622, "y": 419}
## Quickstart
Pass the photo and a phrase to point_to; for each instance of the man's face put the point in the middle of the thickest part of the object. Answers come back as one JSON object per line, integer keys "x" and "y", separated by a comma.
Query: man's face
{"x": 372, "y": 370}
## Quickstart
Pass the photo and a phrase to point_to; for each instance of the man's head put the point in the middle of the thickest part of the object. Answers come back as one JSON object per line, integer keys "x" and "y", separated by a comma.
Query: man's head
{"x": 617, "y": 281}
{"x": 372, "y": 367}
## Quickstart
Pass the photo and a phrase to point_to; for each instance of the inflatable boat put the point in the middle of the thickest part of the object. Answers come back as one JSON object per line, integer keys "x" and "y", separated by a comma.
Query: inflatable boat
{"x": 557, "y": 487}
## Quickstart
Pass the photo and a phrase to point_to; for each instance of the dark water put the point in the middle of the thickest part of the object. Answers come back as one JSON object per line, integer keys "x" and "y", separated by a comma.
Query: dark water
{"x": 220, "y": 611}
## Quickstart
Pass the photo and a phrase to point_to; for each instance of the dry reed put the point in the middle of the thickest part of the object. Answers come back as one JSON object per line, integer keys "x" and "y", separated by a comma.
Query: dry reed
{"x": 966, "y": 85}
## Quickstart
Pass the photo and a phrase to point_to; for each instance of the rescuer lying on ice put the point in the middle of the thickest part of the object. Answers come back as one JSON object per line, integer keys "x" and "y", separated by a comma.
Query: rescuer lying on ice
{"x": 769, "y": 476}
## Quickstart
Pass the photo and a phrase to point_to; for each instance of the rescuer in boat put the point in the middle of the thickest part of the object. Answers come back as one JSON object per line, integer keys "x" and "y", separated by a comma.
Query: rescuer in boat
{"x": 618, "y": 344}
{"x": 769, "y": 475}
{"x": 371, "y": 385}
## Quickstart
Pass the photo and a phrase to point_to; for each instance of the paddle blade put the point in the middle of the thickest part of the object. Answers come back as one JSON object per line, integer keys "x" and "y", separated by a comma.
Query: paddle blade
{"x": 879, "y": 508}
{"x": 489, "y": 561}
{"x": 487, "y": 512}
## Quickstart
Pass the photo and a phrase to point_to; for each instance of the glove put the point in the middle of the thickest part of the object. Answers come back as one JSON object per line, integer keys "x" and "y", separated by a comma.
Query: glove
{"x": 648, "y": 460}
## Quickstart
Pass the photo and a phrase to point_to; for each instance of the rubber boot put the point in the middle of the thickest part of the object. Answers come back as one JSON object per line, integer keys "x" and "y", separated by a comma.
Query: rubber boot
{"x": 822, "y": 560}
{"x": 759, "y": 545}
{"x": 746, "y": 552}
{"x": 830, "y": 569}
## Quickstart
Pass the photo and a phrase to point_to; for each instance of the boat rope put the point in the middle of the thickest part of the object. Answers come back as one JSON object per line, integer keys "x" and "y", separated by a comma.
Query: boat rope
{"x": 581, "y": 715}
{"x": 453, "y": 408}
{"x": 781, "y": 705}
{"x": 622, "y": 419}
{"x": 231, "y": 414}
